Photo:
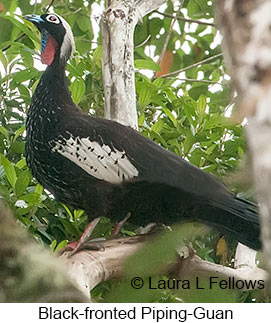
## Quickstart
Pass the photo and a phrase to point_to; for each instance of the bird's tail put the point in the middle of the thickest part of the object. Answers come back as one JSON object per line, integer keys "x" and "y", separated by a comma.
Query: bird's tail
{"x": 237, "y": 218}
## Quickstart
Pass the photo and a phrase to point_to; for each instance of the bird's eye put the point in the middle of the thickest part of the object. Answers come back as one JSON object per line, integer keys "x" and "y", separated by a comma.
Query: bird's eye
{"x": 52, "y": 18}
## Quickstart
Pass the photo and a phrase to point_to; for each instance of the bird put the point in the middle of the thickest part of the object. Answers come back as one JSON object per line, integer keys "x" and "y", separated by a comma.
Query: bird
{"x": 108, "y": 169}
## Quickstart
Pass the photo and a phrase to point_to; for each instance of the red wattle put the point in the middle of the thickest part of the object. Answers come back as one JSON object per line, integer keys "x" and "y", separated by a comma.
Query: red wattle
{"x": 48, "y": 55}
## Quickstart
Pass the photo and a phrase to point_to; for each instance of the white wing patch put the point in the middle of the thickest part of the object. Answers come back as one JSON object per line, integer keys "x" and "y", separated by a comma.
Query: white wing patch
{"x": 99, "y": 161}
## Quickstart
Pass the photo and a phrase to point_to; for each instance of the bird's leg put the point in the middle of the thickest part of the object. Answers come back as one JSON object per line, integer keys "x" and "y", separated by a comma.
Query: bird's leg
{"x": 81, "y": 244}
{"x": 84, "y": 243}
{"x": 119, "y": 226}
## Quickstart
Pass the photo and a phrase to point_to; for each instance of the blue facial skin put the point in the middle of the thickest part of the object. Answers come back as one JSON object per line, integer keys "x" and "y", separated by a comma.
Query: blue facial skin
{"x": 44, "y": 38}
{"x": 34, "y": 19}
{"x": 37, "y": 20}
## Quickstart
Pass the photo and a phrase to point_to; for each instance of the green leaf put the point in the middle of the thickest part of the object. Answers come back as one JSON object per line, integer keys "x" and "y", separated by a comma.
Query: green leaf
{"x": 160, "y": 251}
{"x": 53, "y": 245}
{"x": 77, "y": 214}
{"x": 22, "y": 182}
{"x": 78, "y": 90}
{"x": 170, "y": 115}
{"x": 23, "y": 27}
{"x": 209, "y": 168}
{"x": 158, "y": 126}
{"x": 4, "y": 131}
{"x": 145, "y": 95}
{"x": 157, "y": 137}
{"x": 215, "y": 75}
{"x": 4, "y": 192}
{"x": 146, "y": 65}
{"x": 201, "y": 104}
{"x": 21, "y": 163}
{"x": 97, "y": 55}
{"x": 210, "y": 149}
{"x": 83, "y": 23}
{"x": 6, "y": 31}
{"x": 9, "y": 170}
{"x": 24, "y": 91}
{"x": 17, "y": 147}
{"x": 3, "y": 59}
{"x": 19, "y": 132}
{"x": 141, "y": 119}
{"x": 39, "y": 189}
{"x": 13, "y": 6}
{"x": 61, "y": 245}
{"x": 68, "y": 211}
{"x": 170, "y": 94}
{"x": 25, "y": 75}
{"x": 188, "y": 142}
{"x": 158, "y": 82}
{"x": 30, "y": 198}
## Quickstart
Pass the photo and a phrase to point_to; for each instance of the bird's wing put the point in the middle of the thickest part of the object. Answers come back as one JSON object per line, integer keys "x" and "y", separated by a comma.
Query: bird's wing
{"x": 114, "y": 153}
{"x": 89, "y": 147}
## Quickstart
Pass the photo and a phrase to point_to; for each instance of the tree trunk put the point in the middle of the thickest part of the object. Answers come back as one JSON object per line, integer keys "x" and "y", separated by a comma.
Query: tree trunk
{"x": 245, "y": 25}
{"x": 118, "y": 24}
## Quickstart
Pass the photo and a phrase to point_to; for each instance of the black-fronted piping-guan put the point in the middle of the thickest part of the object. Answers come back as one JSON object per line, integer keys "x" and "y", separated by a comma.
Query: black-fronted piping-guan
{"x": 109, "y": 169}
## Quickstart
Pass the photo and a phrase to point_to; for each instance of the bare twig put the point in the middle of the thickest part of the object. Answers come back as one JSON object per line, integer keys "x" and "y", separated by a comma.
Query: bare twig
{"x": 186, "y": 19}
{"x": 169, "y": 33}
{"x": 200, "y": 81}
{"x": 207, "y": 60}
{"x": 144, "y": 42}
{"x": 74, "y": 12}
{"x": 49, "y": 5}
{"x": 17, "y": 39}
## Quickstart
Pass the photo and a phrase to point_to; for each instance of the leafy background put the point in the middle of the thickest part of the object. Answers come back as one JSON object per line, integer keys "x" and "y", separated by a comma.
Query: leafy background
{"x": 187, "y": 113}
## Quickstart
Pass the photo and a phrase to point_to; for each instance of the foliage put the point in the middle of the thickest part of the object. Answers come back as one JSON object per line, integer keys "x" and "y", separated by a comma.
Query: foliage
{"x": 186, "y": 114}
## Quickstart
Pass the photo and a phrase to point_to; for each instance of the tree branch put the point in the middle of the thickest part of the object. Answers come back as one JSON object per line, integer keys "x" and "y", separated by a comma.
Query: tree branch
{"x": 15, "y": 40}
{"x": 186, "y": 19}
{"x": 89, "y": 268}
{"x": 207, "y": 60}
{"x": 25, "y": 277}
{"x": 200, "y": 81}
{"x": 169, "y": 33}
{"x": 49, "y": 5}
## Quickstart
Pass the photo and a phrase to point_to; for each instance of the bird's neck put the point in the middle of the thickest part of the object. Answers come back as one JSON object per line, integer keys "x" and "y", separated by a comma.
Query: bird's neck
{"x": 57, "y": 68}
{"x": 52, "y": 92}
{"x": 54, "y": 77}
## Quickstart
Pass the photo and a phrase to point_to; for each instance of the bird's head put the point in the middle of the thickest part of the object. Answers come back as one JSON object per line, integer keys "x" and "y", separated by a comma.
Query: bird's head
{"x": 56, "y": 37}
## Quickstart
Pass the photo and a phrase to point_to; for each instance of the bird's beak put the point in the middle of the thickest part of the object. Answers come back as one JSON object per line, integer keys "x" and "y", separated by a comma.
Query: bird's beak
{"x": 35, "y": 19}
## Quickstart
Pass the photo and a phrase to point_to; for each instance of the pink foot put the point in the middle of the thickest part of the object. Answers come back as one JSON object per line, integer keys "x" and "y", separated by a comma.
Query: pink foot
{"x": 118, "y": 226}
{"x": 76, "y": 246}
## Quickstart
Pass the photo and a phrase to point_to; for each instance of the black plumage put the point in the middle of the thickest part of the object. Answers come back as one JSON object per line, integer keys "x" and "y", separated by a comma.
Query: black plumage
{"x": 109, "y": 169}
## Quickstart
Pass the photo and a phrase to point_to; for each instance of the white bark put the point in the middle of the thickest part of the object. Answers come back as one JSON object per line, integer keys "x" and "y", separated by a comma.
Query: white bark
{"x": 89, "y": 268}
{"x": 245, "y": 25}
{"x": 118, "y": 24}
{"x": 244, "y": 257}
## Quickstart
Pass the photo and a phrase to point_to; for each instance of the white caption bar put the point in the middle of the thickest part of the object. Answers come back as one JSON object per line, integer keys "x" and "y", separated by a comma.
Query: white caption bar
{"x": 151, "y": 313}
